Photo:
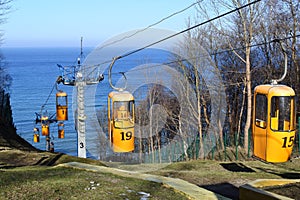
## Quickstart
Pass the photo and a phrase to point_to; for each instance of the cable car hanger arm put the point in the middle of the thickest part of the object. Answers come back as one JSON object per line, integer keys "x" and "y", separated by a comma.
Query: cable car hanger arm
{"x": 109, "y": 75}
{"x": 275, "y": 81}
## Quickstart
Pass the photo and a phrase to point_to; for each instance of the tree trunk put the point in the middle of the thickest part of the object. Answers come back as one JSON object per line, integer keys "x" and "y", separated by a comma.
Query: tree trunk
{"x": 241, "y": 113}
{"x": 249, "y": 98}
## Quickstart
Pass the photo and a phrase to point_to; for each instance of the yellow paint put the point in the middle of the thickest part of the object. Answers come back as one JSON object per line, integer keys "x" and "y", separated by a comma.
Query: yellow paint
{"x": 36, "y": 138}
{"x": 61, "y": 106}
{"x": 121, "y": 121}
{"x": 45, "y": 129}
{"x": 273, "y": 142}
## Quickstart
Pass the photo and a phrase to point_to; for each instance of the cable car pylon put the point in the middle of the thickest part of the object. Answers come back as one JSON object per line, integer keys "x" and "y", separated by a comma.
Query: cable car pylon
{"x": 74, "y": 76}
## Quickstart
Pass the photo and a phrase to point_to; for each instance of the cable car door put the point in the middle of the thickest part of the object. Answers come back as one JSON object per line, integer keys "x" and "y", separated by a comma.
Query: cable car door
{"x": 259, "y": 128}
{"x": 281, "y": 136}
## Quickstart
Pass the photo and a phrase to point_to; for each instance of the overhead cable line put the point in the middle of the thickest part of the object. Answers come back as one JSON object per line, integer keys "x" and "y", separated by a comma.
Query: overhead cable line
{"x": 181, "y": 32}
{"x": 212, "y": 54}
{"x": 175, "y": 34}
{"x": 42, "y": 107}
{"x": 54, "y": 86}
{"x": 151, "y": 25}
{"x": 142, "y": 30}
{"x": 188, "y": 29}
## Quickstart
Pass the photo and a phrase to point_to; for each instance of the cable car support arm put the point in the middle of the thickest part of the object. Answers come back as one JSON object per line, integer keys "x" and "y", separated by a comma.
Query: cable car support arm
{"x": 275, "y": 81}
{"x": 109, "y": 75}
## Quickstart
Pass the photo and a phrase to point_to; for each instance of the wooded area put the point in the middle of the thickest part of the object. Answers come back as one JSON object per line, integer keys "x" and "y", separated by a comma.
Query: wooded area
{"x": 5, "y": 78}
{"x": 244, "y": 48}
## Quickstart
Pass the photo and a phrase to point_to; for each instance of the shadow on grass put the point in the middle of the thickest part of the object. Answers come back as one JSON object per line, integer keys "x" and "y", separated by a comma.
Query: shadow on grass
{"x": 236, "y": 167}
{"x": 52, "y": 161}
{"x": 287, "y": 175}
{"x": 225, "y": 189}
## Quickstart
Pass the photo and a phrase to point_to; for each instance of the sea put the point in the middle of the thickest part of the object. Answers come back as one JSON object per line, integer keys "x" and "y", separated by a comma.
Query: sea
{"x": 34, "y": 72}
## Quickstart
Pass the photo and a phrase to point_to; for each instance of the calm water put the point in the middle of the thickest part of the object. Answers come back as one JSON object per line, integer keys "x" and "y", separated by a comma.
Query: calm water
{"x": 34, "y": 72}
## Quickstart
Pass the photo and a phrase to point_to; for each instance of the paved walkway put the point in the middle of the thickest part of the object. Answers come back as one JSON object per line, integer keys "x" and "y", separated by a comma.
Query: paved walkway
{"x": 190, "y": 190}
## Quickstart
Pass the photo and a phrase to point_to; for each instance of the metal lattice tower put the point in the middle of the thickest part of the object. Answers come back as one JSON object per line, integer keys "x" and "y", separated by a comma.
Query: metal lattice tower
{"x": 77, "y": 76}
{"x": 80, "y": 119}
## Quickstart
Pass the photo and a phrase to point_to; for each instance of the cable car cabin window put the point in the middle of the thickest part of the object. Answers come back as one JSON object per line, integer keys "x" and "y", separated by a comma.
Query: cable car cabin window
{"x": 123, "y": 114}
{"x": 282, "y": 111}
{"x": 261, "y": 108}
{"x": 62, "y": 101}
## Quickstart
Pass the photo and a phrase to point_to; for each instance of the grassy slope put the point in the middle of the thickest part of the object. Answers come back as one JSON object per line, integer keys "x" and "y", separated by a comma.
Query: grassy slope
{"x": 64, "y": 183}
{"x": 35, "y": 178}
{"x": 225, "y": 177}
{"x": 26, "y": 173}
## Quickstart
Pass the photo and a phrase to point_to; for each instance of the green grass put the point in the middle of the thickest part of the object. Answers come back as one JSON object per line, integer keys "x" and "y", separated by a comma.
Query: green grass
{"x": 40, "y": 182}
{"x": 208, "y": 172}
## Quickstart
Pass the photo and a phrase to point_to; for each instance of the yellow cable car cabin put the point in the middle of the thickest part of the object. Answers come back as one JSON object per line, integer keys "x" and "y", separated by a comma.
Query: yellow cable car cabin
{"x": 36, "y": 135}
{"x": 61, "y": 130}
{"x": 45, "y": 125}
{"x": 274, "y": 122}
{"x": 61, "y": 106}
{"x": 121, "y": 121}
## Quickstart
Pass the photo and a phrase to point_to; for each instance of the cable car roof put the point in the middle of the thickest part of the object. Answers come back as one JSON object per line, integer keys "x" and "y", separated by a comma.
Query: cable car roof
{"x": 121, "y": 96}
{"x": 44, "y": 118}
{"x": 61, "y": 94}
{"x": 275, "y": 90}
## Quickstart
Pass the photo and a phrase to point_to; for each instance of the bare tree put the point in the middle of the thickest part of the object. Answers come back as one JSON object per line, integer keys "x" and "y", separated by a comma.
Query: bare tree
{"x": 239, "y": 28}
{"x": 5, "y": 78}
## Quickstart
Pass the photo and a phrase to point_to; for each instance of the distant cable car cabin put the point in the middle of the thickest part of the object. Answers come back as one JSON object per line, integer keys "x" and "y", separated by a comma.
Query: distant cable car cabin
{"x": 61, "y": 130}
{"x": 61, "y": 106}
{"x": 274, "y": 122}
{"x": 45, "y": 125}
{"x": 36, "y": 135}
{"x": 121, "y": 121}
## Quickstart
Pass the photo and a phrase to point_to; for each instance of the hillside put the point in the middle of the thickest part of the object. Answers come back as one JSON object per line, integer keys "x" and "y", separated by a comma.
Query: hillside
{"x": 9, "y": 139}
{"x": 221, "y": 177}
{"x": 16, "y": 151}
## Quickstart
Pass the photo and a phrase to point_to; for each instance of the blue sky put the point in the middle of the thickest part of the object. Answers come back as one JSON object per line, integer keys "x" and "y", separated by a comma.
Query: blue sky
{"x": 61, "y": 23}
